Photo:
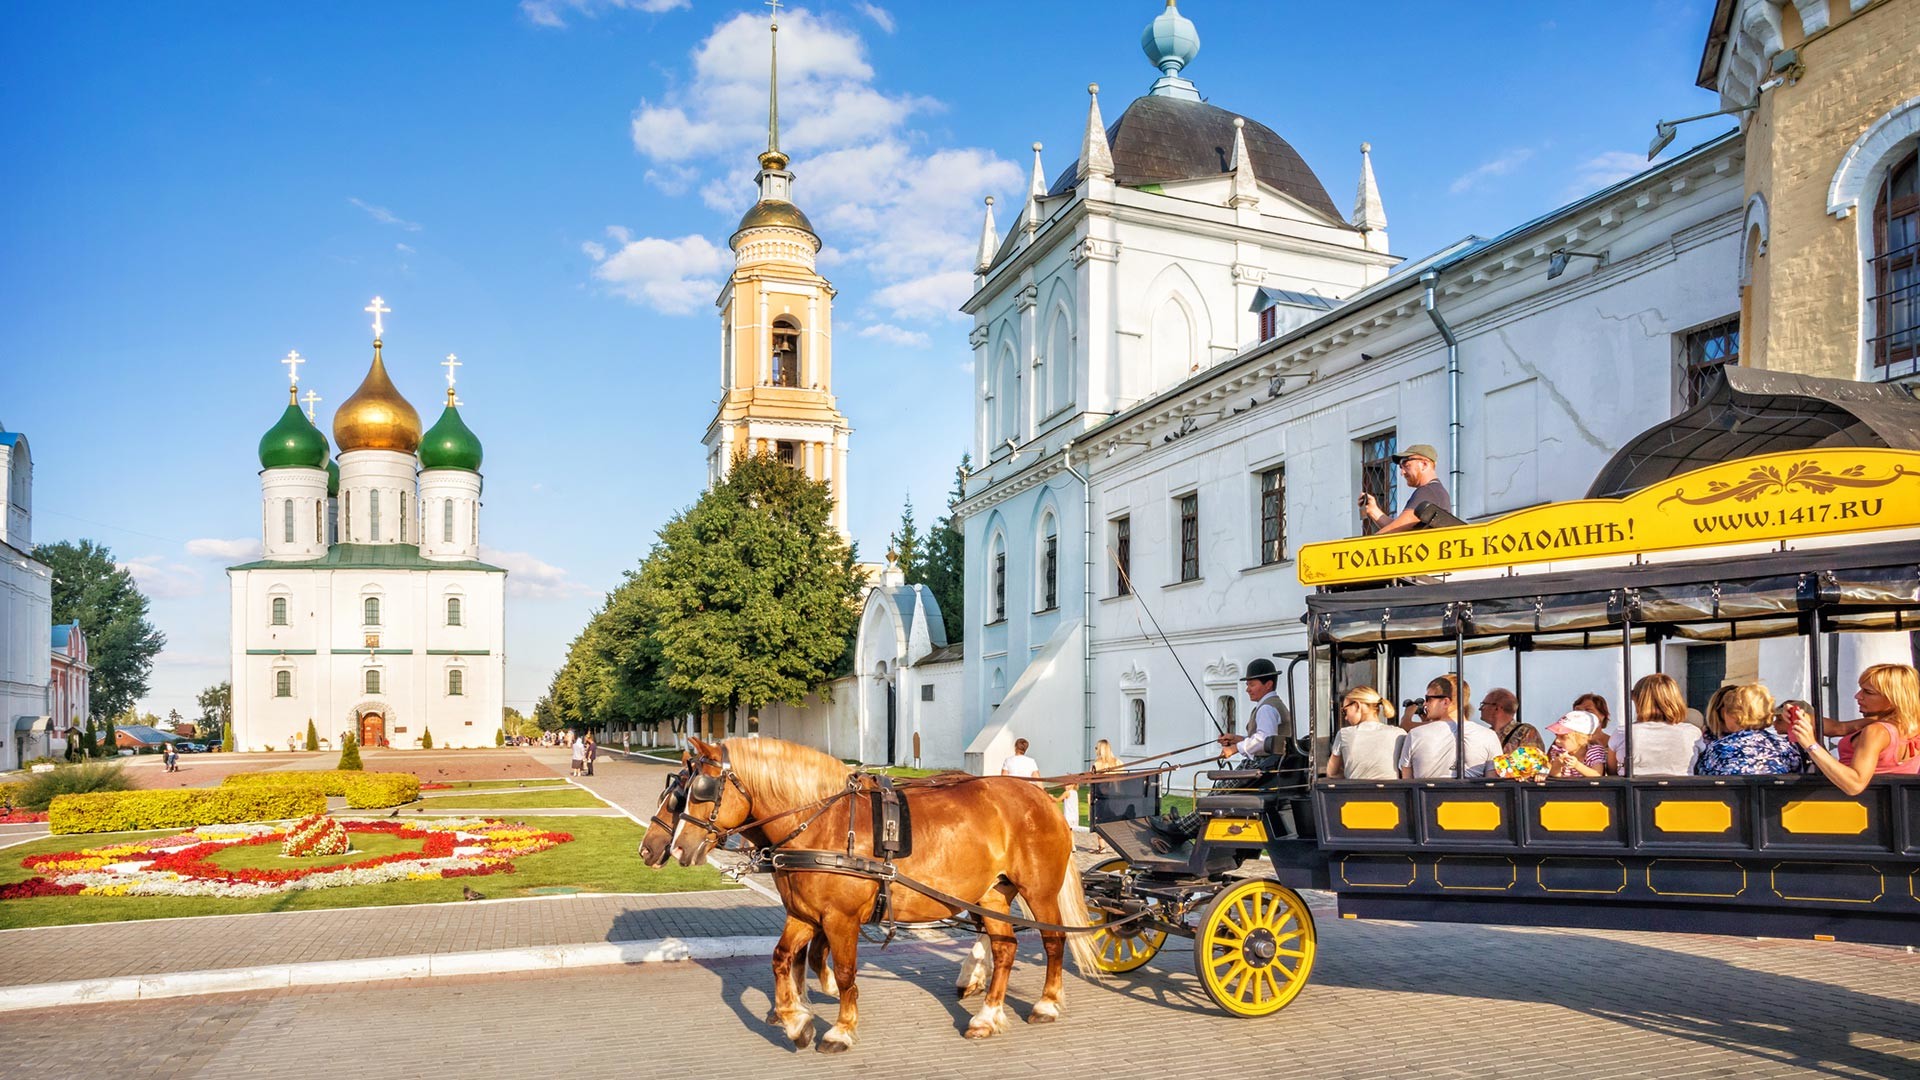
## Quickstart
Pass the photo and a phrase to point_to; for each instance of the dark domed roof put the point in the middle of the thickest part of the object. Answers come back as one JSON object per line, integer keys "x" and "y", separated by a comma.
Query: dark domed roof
{"x": 1161, "y": 140}
{"x": 769, "y": 213}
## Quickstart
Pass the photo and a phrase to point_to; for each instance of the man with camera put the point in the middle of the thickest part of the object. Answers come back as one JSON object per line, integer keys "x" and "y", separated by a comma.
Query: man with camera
{"x": 1432, "y": 749}
{"x": 1418, "y": 470}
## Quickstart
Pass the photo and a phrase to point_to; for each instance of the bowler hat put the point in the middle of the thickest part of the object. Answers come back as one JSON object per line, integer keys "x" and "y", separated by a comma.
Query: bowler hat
{"x": 1260, "y": 668}
{"x": 1418, "y": 450}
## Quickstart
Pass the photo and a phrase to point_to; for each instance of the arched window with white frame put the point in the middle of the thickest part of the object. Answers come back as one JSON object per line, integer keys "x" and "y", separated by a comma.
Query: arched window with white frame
{"x": 279, "y": 611}
{"x": 370, "y": 611}
{"x": 456, "y": 682}
{"x": 371, "y": 682}
{"x": 1047, "y": 558}
{"x": 1060, "y": 365}
{"x": 1893, "y": 270}
{"x": 283, "y": 683}
{"x": 786, "y": 351}
{"x": 453, "y": 611}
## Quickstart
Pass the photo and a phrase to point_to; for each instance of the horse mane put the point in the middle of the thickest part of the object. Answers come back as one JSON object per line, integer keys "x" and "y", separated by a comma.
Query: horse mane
{"x": 785, "y": 772}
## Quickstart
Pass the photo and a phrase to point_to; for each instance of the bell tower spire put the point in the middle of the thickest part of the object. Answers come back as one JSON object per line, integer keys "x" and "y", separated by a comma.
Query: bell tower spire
{"x": 774, "y": 181}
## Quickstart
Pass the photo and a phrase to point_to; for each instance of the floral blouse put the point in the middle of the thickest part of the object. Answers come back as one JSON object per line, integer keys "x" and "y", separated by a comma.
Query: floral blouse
{"x": 1754, "y": 752}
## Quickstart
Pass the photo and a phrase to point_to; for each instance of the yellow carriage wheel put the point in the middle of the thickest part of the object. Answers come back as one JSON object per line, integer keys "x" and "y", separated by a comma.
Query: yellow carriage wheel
{"x": 1129, "y": 947}
{"x": 1255, "y": 947}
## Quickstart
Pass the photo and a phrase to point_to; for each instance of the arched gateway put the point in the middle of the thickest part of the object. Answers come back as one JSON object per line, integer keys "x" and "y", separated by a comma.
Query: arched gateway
{"x": 369, "y": 723}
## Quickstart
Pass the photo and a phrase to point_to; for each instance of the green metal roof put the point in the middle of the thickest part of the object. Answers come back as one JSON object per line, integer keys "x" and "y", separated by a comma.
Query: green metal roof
{"x": 369, "y": 557}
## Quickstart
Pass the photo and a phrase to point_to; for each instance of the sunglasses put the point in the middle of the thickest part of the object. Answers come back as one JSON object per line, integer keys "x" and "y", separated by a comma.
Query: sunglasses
{"x": 1439, "y": 697}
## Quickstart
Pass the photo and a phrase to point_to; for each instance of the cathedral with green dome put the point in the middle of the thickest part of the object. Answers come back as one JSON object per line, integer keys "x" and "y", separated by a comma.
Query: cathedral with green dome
{"x": 369, "y": 611}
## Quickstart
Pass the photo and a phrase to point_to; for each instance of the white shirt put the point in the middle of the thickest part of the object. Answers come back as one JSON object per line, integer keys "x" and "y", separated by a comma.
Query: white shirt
{"x": 1020, "y": 765}
{"x": 1661, "y": 749}
{"x": 1266, "y": 724}
{"x": 1430, "y": 749}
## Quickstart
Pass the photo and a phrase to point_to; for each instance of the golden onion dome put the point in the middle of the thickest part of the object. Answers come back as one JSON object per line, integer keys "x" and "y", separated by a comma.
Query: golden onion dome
{"x": 376, "y": 417}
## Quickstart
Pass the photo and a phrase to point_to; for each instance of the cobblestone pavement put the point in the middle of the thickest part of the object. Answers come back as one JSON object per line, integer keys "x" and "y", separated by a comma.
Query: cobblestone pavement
{"x": 64, "y": 953}
{"x": 1386, "y": 1000}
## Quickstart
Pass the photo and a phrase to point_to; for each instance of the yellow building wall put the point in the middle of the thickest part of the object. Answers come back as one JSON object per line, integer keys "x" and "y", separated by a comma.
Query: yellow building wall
{"x": 1802, "y": 310}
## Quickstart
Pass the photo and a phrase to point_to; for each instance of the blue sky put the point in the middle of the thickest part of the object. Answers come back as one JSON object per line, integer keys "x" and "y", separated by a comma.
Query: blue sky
{"x": 546, "y": 188}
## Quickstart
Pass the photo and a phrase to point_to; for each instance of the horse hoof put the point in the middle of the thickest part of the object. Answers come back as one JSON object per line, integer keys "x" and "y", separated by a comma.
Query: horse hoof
{"x": 979, "y": 1031}
{"x": 835, "y": 1042}
{"x": 804, "y": 1037}
{"x": 1044, "y": 1013}
{"x": 965, "y": 992}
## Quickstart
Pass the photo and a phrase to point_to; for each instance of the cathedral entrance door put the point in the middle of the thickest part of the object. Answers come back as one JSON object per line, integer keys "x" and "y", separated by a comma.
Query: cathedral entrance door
{"x": 373, "y": 730}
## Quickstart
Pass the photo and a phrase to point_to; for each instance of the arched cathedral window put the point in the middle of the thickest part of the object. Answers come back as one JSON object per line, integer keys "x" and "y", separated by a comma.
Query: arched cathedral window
{"x": 786, "y": 351}
{"x": 373, "y": 515}
{"x": 456, "y": 683}
{"x": 286, "y": 514}
{"x": 1895, "y": 267}
{"x": 279, "y": 611}
{"x": 371, "y": 611}
{"x": 373, "y": 681}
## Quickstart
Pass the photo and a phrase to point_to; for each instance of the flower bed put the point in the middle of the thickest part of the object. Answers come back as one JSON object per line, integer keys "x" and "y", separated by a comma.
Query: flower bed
{"x": 181, "y": 865}
{"x": 317, "y": 835}
{"x": 22, "y": 817}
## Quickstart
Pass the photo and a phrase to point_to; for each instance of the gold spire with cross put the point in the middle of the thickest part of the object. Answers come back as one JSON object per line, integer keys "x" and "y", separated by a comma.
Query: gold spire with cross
{"x": 379, "y": 308}
{"x": 773, "y": 158}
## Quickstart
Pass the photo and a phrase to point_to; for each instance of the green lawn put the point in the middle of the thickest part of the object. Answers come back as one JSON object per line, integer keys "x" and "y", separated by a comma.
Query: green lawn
{"x": 268, "y": 857}
{"x": 481, "y": 785}
{"x": 601, "y": 858}
{"x": 531, "y": 800}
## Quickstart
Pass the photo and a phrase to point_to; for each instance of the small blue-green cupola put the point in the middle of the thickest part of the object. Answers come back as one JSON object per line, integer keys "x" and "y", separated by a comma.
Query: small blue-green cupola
{"x": 449, "y": 443}
{"x": 1171, "y": 42}
{"x": 293, "y": 442}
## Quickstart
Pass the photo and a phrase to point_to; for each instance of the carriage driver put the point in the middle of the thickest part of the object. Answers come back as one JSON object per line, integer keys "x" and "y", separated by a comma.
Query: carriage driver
{"x": 1269, "y": 712}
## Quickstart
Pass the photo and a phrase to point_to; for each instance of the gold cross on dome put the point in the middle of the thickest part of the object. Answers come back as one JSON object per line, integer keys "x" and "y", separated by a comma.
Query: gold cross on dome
{"x": 293, "y": 362}
{"x": 379, "y": 308}
{"x": 450, "y": 363}
{"x": 310, "y": 399}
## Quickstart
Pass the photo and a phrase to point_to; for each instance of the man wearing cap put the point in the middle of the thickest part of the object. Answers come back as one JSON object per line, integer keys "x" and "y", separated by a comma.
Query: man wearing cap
{"x": 1417, "y": 469}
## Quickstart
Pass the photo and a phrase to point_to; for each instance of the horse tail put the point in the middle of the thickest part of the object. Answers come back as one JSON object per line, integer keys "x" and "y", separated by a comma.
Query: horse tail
{"x": 1073, "y": 912}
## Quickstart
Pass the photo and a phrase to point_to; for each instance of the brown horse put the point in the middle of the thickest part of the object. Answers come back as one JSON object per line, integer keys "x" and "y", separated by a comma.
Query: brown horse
{"x": 986, "y": 841}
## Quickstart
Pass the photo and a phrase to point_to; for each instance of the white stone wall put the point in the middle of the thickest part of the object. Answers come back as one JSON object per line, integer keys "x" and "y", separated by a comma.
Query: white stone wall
{"x": 328, "y": 647}
{"x": 449, "y": 514}
{"x": 293, "y": 513}
{"x": 26, "y": 605}
{"x": 378, "y": 496}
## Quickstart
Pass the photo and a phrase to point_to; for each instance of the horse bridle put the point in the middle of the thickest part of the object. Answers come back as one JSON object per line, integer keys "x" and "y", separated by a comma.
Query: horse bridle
{"x": 691, "y": 785}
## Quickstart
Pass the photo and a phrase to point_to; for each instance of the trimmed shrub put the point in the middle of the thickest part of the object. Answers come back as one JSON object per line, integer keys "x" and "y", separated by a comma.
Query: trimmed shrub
{"x": 38, "y": 791}
{"x": 10, "y": 795}
{"x": 426, "y": 738}
{"x": 226, "y": 739}
{"x": 499, "y": 736}
{"x": 313, "y": 737}
{"x": 377, "y": 790}
{"x": 125, "y": 811}
{"x": 90, "y": 742}
{"x": 349, "y": 754}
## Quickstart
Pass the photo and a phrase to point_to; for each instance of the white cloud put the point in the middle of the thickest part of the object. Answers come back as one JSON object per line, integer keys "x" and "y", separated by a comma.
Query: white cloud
{"x": 1499, "y": 166}
{"x": 552, "y": 13}
{"x": 896, "y": 335}
{"x": 215, "y": 548}
{"x": 671, "y": 276}
{"x": 1611, "y": 167}
{"x": 529, "y": 576}
{"x": 385, "y": 216}
{"x": 904, "y": 211}
{"x": 159, "y": 578}
{"x": 881, "y": 17}
{"x": 404, "y": 249}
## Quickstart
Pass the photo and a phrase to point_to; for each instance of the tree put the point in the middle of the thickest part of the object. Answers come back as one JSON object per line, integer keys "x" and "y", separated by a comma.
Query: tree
{"x": 906, "y": 543}
{"x": 753, "y": 591}
{"x": 90, "y": 589}
{"x": 313, "y": 736}
{"x": 426, "y": 738}
{"x": 90, "y": 742}
{"x": 943, "y": 567}
{"x": 216, "y": 711}
{"x": 173, "y": 720}
{"x": 349, "y": 753}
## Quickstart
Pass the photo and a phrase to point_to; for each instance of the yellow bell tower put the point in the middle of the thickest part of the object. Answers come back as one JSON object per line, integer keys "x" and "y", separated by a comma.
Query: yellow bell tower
{"x": 776, "y": 334}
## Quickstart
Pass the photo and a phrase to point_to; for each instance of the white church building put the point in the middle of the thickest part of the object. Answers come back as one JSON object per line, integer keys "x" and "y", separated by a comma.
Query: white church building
{"x": 26, "y": 612}
{"x": 369, "y": 610}
{"x": 1188, "y": 363}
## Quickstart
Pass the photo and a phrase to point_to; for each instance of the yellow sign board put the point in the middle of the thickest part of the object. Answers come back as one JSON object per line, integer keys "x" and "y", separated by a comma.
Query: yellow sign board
{"x": 1770, "y": 497}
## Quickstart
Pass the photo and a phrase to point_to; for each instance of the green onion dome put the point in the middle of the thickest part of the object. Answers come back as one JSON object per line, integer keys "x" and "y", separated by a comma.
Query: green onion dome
{"x": 449, "y": 443}
{"x": 333, "y": 478}
{"x": 293, "y": 442}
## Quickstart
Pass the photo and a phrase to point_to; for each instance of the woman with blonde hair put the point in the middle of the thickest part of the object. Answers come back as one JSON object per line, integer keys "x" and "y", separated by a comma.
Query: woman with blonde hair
{"x": 1103, "y": 757}
{"x": 1749, "y": 746}
{"x": 1664, "y": 744}
{"x": 1365, "y": 748}
{"x": 1888, "y": 741}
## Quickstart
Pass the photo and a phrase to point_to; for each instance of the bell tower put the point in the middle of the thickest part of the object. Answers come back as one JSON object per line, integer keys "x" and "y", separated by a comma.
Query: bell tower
{"x": 776, "y": 335}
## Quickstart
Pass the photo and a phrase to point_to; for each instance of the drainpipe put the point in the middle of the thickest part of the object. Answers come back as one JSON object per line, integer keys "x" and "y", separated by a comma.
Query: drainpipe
{"x": 1430, "y": 279}
{"x": 1086, "y": 603}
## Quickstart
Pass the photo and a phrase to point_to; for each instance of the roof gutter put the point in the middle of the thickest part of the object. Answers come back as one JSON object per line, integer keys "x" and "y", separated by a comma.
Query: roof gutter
{"x": 1086, "y": 603}
{"x": 1430, "y": 280}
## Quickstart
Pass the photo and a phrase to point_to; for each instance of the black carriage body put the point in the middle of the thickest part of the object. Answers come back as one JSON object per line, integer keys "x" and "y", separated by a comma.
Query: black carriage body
{"x": 1784, "y": 856}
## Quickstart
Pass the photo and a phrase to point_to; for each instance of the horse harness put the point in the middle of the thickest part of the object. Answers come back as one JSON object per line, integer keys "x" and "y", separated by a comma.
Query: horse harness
{"x": 892, "y": 833}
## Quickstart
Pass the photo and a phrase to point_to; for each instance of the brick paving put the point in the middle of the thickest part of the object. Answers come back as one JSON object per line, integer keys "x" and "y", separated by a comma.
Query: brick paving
{"x": 1387, "y": 1000}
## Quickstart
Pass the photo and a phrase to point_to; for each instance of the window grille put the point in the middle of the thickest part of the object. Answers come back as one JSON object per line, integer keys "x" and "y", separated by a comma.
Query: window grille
{"x": 456, "y": 683}
{"x": 1051, "y": 594}
{"x": 373, "y": 680}
{"x": 1894, "y": 272}
{"x": 1122, "y": 556}
{"x": 1190, "y": 537}
{"x": 1273, "y": 516}
{"x": 371, "y": 610}
{"x": 283, "y": 684}
{"x": 453, "y": 611}
{"x": 279, "y": 611}
{"x": 1137, "y": 728}
{"x": 999, "y": 585}
{"x": 1377, "y": 476}
{"x": 1709, "y": 349}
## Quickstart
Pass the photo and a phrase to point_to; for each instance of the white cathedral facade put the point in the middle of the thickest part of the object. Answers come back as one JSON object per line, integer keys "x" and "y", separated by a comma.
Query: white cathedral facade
{"x": 369, "y": 611}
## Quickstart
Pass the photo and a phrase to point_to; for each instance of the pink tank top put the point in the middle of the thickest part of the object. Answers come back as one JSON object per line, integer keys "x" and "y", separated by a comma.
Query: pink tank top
{"x": 1890, "y": 758}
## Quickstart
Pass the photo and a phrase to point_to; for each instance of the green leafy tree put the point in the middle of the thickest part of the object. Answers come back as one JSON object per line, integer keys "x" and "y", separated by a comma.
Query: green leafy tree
{"x": 90, "y": 589}
{"x": 313, "y": 735}
{"x": 753, "y": 590}
{"x": 426, "y": 738}
{"x": 173, "y": 721}
{"x": 943, "y": 567}
{"x": 349, "y": 753}
{"x": 216, "y": 713}
{"x": 906, "y": 543}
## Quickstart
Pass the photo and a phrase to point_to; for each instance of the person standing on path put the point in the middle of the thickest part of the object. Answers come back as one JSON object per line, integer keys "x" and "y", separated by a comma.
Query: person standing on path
{"x": 578, "y": 763}
{"x": 592, "y": 751}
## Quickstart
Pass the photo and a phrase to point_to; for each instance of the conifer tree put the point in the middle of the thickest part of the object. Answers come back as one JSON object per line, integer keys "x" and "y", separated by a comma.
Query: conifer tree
{"x": 350, "y": 754}
{"x": 313, "y": 736}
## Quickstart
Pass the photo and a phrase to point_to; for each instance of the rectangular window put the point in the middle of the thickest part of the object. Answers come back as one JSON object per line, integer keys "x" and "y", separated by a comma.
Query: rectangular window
{"x": 1893, "y": 274}
{"x": 403, "y": 520}
{"x": 1050, "y": 597}
{"x": 1190, "y": 537}
{"x": 371, "y": 610}
{"x": 1709, "y": 349}
{"x": 926, "y": 692}
{"x": 1269, "y": 323}
{"x": 279, "y": 611}
{"x": 999, "y": 586}
{"x": 286, "y": 513}
{"x": 319, "y": 522}
{"x": 373, "y": 516}
{"x": 1273, "y": 516}
{"x": 1122, "y": 556}
{"x": 373, "y": 680}
{"x": 453, "y": 611}
{"x": 456, "y": 683}
{"x": 346, "y": 516}
{"x": 1377, "y": 476}
{"x": 283, "y": 684}
{"x": 446, "y": 521}
{"x": 1137, "y": 721}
